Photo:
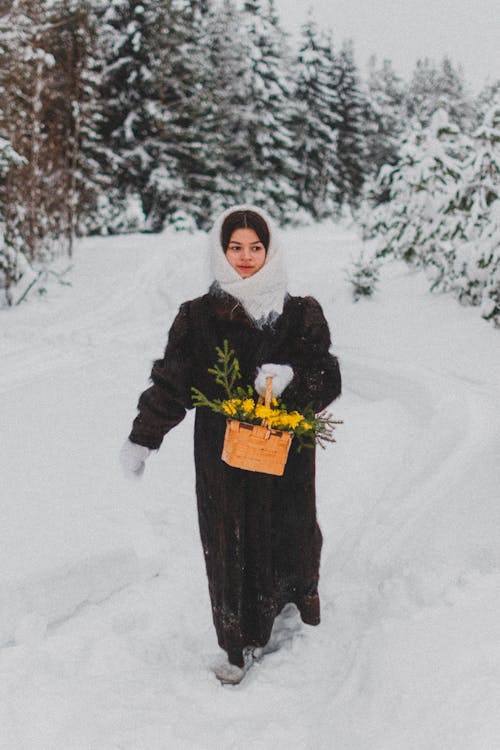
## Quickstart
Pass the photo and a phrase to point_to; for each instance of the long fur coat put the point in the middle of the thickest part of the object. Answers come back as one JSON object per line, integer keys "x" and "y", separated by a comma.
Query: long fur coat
{"x": 260, "y": 536}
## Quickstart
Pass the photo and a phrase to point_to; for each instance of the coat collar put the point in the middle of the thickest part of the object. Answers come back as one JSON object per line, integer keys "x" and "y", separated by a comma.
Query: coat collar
{"x": 227, "y": 307}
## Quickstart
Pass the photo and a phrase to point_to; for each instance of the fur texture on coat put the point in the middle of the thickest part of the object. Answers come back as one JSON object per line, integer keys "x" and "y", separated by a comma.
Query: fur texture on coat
{"x": 261, "y": 540}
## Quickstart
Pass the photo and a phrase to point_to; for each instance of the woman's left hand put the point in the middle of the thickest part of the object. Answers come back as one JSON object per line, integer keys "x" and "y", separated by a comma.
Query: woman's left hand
{"x": 282, "y": 376}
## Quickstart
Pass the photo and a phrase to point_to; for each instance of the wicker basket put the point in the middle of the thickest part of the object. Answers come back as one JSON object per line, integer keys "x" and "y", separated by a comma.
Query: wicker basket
{"x": 256, "y": 447}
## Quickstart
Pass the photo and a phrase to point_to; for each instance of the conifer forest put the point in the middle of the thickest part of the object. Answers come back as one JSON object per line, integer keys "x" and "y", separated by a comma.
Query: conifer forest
{"x": 128, "y": 116}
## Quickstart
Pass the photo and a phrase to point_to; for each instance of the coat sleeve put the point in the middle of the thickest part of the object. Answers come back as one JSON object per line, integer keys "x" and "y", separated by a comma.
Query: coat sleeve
{"x": 317, "y": 379}
{"x": 163, "y": 405}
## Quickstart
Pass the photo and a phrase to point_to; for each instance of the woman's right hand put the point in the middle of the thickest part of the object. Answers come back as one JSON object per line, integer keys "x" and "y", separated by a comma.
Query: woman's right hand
{"x": 133, "y": 459}
{"x": 282, "y": 376}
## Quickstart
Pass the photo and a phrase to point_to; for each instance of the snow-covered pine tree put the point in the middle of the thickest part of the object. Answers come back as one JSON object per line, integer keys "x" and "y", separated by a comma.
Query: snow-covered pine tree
{"x": 444, "y": 209}
{"x": 407, "y": 226}
{"x": 156, "y": 123}
{"x": 483, "y": 101}
{"x": 455, "y": 97}
{"x": 132, "y": 108}
{"x": 13, "y": 264}
{"x": 363, "y": 274}
{"x": 444, "y": 150}
{"x": 315, "y": 122}
{"x": 225, "y": 97}
{"x": 264, "y": 168}
{"x": 386, "y": 114}
{"x": 187, "y": 126}
{"x": 351, "y": 141}
{"x": 89, "y": 184}
{"x": 474, "y": 228}
{"x": 442, "y": 86}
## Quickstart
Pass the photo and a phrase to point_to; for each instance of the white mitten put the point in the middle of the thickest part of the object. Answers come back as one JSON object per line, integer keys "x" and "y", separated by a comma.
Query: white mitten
{"x": 132, "y": 458}
{"x": 282, "y": 375}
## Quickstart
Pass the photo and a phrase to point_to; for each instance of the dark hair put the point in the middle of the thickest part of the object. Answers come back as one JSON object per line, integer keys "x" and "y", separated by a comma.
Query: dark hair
{"x": 244, "y": 219}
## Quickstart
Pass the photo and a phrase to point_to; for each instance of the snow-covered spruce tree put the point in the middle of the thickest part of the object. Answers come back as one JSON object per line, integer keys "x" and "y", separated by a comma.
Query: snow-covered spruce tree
{"x": 156, "y": 122}
{"x": 445, "y": 153}
{"x": 314, "y": 123}
{"x": 384, "y": 125}
{"x": 91, "y": 183}
{"x": 222, "y": 73}
{"x": 260, "y": 166}
{"x": 121, "y": 73}
{"x": 385, "y": 114}
{"x": 14, "y": 268}
{"x": 185, "y": 117}
{"x": 351, "y": 141}
{"x": 472, "y": 226}
{"x": 442, "y": 86}
{"x": 130, "y": 104}
{"x": 444, "y": 210}
{"x": 484, "y": 100}
{"x": 363, "y": 274}
{"x": 429, "y": 161}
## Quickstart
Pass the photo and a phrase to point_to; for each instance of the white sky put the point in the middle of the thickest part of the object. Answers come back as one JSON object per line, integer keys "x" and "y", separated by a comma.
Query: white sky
{"x": 468, "y": 31}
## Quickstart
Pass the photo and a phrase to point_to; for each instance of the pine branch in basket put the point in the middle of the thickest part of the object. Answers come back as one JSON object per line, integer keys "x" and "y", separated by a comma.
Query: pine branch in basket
{"x": 227, "y": 368}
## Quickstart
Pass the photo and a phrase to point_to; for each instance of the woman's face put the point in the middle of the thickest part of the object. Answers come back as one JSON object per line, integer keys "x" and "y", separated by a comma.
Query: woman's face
{"x": 245, "y": 252}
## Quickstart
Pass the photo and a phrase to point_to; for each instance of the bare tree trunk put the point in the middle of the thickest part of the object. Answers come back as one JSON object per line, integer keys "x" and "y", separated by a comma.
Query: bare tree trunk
{"x": 74, "y": 155}
{"x": 33, "y": 186}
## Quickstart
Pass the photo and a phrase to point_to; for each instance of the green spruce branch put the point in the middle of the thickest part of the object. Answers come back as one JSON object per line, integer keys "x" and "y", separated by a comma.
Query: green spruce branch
{"x": 227, "y": 369}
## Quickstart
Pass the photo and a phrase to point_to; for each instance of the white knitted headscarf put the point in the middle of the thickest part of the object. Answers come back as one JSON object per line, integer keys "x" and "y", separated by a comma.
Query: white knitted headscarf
{"x": 263, "y": 294}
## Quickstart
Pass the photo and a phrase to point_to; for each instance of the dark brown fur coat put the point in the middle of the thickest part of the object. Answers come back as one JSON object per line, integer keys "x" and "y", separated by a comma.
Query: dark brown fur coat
{"x": 259, "y": 532}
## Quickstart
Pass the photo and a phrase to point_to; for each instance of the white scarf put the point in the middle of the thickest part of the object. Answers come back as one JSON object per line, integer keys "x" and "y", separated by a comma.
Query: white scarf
{"x": 263, "y": 294}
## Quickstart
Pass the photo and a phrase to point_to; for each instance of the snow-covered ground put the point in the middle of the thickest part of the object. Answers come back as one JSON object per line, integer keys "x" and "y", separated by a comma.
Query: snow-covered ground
{"x": 105, "y": 622}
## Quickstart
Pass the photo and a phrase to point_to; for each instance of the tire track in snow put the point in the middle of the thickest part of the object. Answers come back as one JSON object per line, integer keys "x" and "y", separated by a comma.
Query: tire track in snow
{"x": 385, "y": 562}
{"x": 388, "y": 557}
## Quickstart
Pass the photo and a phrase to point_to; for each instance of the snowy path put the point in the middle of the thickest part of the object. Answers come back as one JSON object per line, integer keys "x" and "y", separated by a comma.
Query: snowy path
{"x": 105, "y": 617}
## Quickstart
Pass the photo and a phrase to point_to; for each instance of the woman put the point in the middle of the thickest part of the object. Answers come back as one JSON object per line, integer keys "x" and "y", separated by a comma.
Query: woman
{"x": 259, "y": 532}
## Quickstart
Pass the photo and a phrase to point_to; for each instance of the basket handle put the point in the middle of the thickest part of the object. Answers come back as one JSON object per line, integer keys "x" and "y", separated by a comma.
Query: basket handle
{"x": 267, "y": 401}
{"x": 269, "y": 391}
{"x": 267, "y": 398}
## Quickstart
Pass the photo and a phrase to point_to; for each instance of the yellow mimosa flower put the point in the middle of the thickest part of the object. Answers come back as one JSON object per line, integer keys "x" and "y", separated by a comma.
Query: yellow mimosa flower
{"x": 230, "y": 407}
{"x": 248, "y": 405}
{"x": 264, "y": 412}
